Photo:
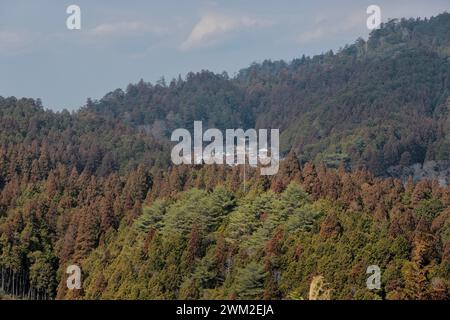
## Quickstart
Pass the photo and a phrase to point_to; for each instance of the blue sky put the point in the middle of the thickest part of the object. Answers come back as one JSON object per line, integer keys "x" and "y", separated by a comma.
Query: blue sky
{"x": 121, "y": 42}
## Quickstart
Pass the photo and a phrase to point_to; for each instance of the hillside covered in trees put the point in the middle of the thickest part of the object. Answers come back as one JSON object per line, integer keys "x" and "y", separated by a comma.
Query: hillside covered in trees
{"x": 96, "y": 187}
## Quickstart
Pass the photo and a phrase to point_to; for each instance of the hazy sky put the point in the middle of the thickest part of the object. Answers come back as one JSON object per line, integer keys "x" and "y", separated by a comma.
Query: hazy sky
{"x": 121, "y": 42}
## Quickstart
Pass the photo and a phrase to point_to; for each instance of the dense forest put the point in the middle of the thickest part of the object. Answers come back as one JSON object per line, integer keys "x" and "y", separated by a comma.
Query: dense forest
{"x": 96, "y": 188}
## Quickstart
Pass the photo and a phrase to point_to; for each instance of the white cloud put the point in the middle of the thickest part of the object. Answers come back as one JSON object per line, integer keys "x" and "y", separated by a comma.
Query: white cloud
{"x": 213, "y": 25}
{"x": 126, "y": 28}
{"x": 8, "y": 38}
{"x": 325, "y": 27}
{"x": 312, "y": 34}
{"x": 11, "y": 41}
{"x": 335, "y": 23}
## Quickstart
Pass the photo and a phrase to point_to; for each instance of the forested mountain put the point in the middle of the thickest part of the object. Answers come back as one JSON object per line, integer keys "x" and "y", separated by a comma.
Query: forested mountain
{"x": 96, "y": 188}
{"x": 380, "y": 103}
{"x": 212, "y": 243}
